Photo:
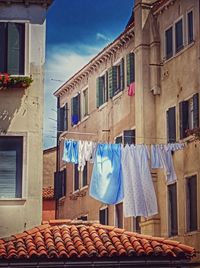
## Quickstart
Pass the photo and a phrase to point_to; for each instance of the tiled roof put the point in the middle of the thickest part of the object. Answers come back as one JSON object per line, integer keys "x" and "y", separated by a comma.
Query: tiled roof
{"x": 48, "y": 193}
{"x": 65, "y": 239}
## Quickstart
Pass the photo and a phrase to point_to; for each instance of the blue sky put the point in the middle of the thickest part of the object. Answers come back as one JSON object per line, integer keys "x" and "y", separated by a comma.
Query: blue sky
{"x": 76, "y": 31}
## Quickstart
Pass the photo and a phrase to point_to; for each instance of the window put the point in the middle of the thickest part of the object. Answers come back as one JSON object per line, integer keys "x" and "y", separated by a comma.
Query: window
{"x": 118, "y": 139}
{"x": 119, "y": 215}
{"x": 116, "y": 79}
{"x": 76, "y": 177}
{"x": 75, "y": 110}
{"x": 136, "y": 224}
{"x": 172, "y": 209}
{"x": 62, "y": 117}
{"x": 191, "y": 206}
{"x": 60, "y": 184}
{"x": 102, "y": 90}
{"x": 190, "y": 27}
{"x": 189, "y": 114}
{"x": 129, "y": 136}
{"x": 84, "y": 175}
{"x": 85, "y": 103}
{"x": 11, "y": 164}
{"x": 171, "y": 125}
{"x": 103, "y": 216}
{"x": 83, "y": 218}
{"x": 130, "y": 68}
{"x": 12, "y": 47}
{"x": 179, "y": 35}
{"x": 169, "y": 43}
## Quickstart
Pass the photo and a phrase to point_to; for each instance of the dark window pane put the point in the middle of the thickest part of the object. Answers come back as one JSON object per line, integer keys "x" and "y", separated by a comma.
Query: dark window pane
{"x": 171, "y": 124}
{"x": 16, "y": 34}
{"x": 190, "y": 27}
{"x": 119, "y": 215}
{"x": 169, "y": 43}
{"x": 103, "y": 216}
{"x": 3, "y": 49}
{"x": 75, "y": 110}
{"x": 76, "y": 177}
{"x": 11, "y": 155}
{"x": 172, "y": 210}
{"x": 191, "y": 203}
{"x": 184, "y": 120}
{"x": 60, "y": 184}
{"x": 136, "y": 224}
{"x": 118, "y": 139}
{"x": 196, "y": 110}
{"x": 179, "y": 35}
{"x": 84, "y": 183}
{"x": 129, "y": 136}
{"x": 130, "y": 68}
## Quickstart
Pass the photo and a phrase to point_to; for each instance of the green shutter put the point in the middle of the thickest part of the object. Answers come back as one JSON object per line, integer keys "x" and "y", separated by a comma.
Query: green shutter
{"x": 122, "y": 74}
{"x": 15, "y": 60}
{"x": 97, "y": 91}
{"x": 3, "y": 47}
{"x": 130, "y": 62}
{"x": 112, "y": 80}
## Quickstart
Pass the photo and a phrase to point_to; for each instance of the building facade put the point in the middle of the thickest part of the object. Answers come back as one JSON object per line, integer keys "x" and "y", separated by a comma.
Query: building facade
{"x": 144, "y": 89}
{"x": 22, "y": 57}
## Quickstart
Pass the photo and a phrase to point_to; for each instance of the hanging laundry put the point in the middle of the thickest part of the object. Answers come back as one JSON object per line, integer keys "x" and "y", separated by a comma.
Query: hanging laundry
{"x": 155, "y": 157}
{"x": 131, "y": 89}
{"x": 139, "y": 193}
{"x": 176, "y": 146}
{"x": 70, "y": 153}
{"x": 85, "y": 153}
{"x": 106, "y": 181}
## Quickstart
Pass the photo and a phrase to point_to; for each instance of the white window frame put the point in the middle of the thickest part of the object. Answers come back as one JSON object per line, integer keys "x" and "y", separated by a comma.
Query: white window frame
{"x": 26, "y": 44}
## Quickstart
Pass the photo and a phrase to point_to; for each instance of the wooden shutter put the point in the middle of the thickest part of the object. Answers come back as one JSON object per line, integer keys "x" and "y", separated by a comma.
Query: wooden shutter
{"x": 118, "y": 139}
{"x": 60, "y": 184}
{"x": 130, "y": 67}
{"x": 171, "y": 124}
{"x": 66, "y": 116}
{"x": 112, "y": 80}
{"x": 103, "y": 216}
{"x": 172, "y": 209}
{"x": 76, "y": 177}
{"x": 196, "y": 110}
{"x": 119, "y": 215}
{"x": 129, "y": 136}
{"x": 3, "y": 50}
{"x": 84, "y": 175}
{"x": 191, "y": 203}
{"x": 122, "y": 74}
{"x": 79, "y": 106}
{"x": 184, "y": 123}
{"x": 61, "y": 118}
{"x": 75, "y": 109}
{"x": 169, "y": 43}
{"x": 16, "y": 36}
{"x": 97, "y": 92}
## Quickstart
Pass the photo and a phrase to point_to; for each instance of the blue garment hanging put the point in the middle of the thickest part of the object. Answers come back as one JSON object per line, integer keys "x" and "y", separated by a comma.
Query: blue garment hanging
{"x": 106, "y": 181}
{"x": 70, "y": 153}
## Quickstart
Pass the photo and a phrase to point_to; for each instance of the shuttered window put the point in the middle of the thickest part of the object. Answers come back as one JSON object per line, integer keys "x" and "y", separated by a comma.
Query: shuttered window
{"x": 116, "y": 78}
{"x": 129, "y": 136}
{"x": 85, "y": 102}
{"x": 136, "y": 224}
{"x": 103, "y": 216}
{"x": 179, "y": 35}
{"x": 101, "y": 90}
{"x": 189, "y": 115}
{"x": 76, "y": 177}
{"x": 62, "y": 118}
{"x": 130, "y": 68}
{"x": 119, "y": 215}
{"x": 171, "y": 125}
{"x": 118, "y": 139}
{"x": 11, "y": 164}
{"x": 169, "y": 43}
{"x": 60, "y": 184}
{"x": 190, "y": 27}
{"x": 191, "y": 205}
{"x": 172, "y": 209}
{"x": 75, "y": 110}
{"x": 84, "y": 175}
{"x": 12, "y": 48}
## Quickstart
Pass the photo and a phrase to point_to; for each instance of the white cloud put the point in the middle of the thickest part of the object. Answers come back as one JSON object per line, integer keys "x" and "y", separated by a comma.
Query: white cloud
{"x": 62, "y": 62}
{"x": 100, "y": 36}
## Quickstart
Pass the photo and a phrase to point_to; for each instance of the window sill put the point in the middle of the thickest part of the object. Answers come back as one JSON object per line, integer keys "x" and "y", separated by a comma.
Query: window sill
{"x": 12, "y": 201}
{"x": 187, "y": 46}
{"x": 190, "y": 233}
{"x": 119, "y": 94}
{"x": 84, "y": 188}
{"x": 84, "y": 118}
{"x": 102, "y": 106}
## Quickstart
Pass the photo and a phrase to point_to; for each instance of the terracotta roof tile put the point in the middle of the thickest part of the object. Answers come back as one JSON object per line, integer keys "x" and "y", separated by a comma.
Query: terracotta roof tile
{"x": 48, "y": 192}
{"x": 64, "y": 239}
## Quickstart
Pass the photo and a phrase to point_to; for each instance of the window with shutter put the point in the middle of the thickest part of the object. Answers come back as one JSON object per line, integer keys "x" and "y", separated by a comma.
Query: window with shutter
{"x": 169, "y": 43}
{"x": 60, "y": 184}
{"x": 75, "y": 110}
{"x": 103, "y": 216}
{"x": 179, "y": 35}
{"x": 76, "y": 177}
{"x": 62, "y": 118}
{"x": 183, "y": 114}
{"x": 172, "y": 209}
{"x": 12, "y": 48}
{"x": 191, "y": 200}
{"x": 85, "y": 103}
{"x": 11, "y": 165}
{"x": 130, "y": 68}
{"x": 171, "y": 125}
{"x": 84, "y": 175}
{"x": 112, "y": 81}
{"x": 118, "y": 139}
{"x": 102, "y": 90}
{"x": 195, "y": 110}
{"x": 136, "y": 224}
{"x": 190, "y": 27}
{"x": 119, "y": 215}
